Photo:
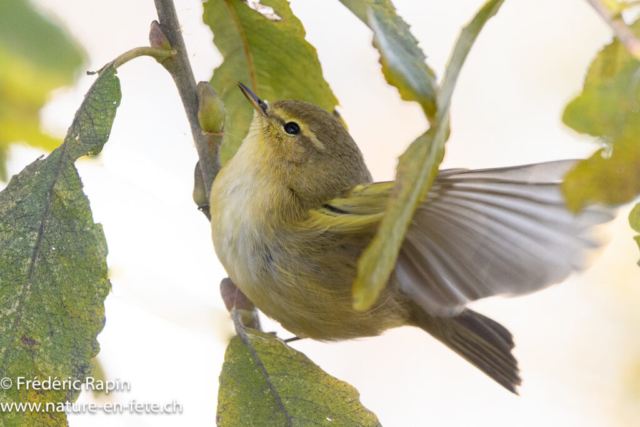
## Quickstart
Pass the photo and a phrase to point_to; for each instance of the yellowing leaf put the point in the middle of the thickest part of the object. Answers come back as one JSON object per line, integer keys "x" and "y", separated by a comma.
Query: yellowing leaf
{"x": 607, "y": 104}
{"x": 634, "y": 218}
{"x": 608, "y": 107}
{"x": 271, "y": 56}
{"x": 403, "y": 62}
{"x": 264, "y": 382}
{"x": 53, "y": 270}
{"x": 36, "y": 57}
{"x": 417, "y": 168}
{"x": 610, "y": 176}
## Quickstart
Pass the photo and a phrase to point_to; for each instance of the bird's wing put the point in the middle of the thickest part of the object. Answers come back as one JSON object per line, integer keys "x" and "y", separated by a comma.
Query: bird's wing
{"x": 479, "y": 233}
{"x": 490, "y": 232}
{"x": 357, "y": 210}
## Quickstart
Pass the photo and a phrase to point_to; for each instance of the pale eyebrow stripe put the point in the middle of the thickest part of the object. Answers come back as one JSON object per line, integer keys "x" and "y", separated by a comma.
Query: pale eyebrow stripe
{"x": 316, "y": 142}
{"x": 305, "y": 131}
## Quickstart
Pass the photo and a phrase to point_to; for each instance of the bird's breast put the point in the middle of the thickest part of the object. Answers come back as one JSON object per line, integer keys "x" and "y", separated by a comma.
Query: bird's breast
{"x": 300, "y": 277}
{"x": 237, "y": 224}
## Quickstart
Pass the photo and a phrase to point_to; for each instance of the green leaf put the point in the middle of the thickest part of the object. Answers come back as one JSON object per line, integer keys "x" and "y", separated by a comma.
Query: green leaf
{"x": 417, "y": 168}
{"x": 53, "y": 270}
{"x": 403, "y": 62}
{"x": 270, "y": 56}
{"x": 264, "y": 382}
{"x": 609, "y": 108}
{"x": 608, "y": 102}
{"x": 610, "y": 176}
{"x": 634, "y": 218}
{"x": 37, "y": 57}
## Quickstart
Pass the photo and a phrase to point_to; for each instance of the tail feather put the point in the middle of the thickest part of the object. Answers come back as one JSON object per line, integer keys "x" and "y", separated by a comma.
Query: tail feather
{"x": 481, "y": 341}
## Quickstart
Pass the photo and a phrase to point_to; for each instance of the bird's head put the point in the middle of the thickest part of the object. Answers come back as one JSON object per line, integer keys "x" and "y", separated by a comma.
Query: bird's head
{"x": 308, "y": 148}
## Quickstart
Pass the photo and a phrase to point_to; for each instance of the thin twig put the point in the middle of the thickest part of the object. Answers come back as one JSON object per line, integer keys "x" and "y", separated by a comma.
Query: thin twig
{"x": 180, "y": 69}
{"x": 619, "y": 27}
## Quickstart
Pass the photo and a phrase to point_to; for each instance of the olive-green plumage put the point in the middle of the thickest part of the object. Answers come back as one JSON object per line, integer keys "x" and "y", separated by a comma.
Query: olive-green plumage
{"x": 293, "y": 210}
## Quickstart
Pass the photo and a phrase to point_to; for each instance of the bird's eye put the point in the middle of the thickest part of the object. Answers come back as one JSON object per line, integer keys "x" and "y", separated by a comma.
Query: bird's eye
{"x": 292, "y": 128}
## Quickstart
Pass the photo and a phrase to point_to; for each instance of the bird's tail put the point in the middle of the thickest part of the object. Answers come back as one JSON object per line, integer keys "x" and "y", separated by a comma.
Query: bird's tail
{"x": 482, "y": 341}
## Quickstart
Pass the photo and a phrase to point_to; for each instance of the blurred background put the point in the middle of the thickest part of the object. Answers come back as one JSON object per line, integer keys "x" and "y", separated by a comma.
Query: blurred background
{"x": 578, "y": 343}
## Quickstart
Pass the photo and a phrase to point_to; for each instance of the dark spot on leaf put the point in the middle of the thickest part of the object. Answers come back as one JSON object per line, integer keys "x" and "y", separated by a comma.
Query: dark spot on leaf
{"x": 29, "y": 341}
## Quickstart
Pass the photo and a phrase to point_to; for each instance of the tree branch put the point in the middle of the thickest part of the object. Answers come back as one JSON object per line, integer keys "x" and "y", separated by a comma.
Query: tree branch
{"x": 619, "y": 27}
{"x": 180, "y": 69}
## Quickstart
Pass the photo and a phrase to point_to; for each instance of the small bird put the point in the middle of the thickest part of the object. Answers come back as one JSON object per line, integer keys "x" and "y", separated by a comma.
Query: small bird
{"x": 293, "y": 210}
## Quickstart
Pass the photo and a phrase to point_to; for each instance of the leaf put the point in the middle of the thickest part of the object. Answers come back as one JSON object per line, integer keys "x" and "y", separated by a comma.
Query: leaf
{"x": 634, "y": 218}
{"x": 270, "y": 56}
{"x": 608, "y": 103}
{"x": 608, "y": 107}
{"x": 37, "y": 57}
{"x": 610, "y": 176}
{"x": 267, "y": 383}
{"x": 417, "y": 168}
{"x": 403, "y": 62}
{"x": 53, "y": 270}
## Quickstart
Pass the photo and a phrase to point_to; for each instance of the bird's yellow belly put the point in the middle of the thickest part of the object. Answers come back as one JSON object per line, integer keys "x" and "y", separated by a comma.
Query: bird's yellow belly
{"x": 303, "y": 283}
{"x": 307, "y": 296}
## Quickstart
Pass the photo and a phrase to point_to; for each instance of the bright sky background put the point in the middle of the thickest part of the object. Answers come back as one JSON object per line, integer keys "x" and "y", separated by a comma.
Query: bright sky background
{"x": 577, "y": 343}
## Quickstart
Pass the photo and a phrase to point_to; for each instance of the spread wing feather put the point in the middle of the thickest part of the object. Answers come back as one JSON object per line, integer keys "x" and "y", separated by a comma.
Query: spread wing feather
{"x": 485, "y": 232}
{"x": 494, "y": 232}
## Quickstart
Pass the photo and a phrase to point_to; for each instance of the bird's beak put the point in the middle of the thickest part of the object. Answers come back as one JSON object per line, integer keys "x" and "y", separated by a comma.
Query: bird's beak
{"x": 258, "y": 104}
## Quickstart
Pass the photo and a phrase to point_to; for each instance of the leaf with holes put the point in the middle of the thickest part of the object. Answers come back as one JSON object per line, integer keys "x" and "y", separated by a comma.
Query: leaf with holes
{"x": 263, "y": 47}
{"x": 416, "y": 170}
{"x": 38, "y": 56}
{"x": 53, "y": 270}
{"x": 403, "y": 62}
{"x": 264, "y": 382}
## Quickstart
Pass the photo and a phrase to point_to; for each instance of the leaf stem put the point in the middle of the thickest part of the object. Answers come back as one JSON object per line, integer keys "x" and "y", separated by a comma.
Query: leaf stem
{"x": 159, "y": 55}
{"x": 179, "y": 67}
{"x": 619, "y": 27}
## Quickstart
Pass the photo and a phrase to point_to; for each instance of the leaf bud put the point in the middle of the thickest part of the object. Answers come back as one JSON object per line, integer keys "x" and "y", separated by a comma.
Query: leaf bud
{"x": 199, "y": 190}
{"x": 211, "y": 111}
{"x": 157, "y": 38}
